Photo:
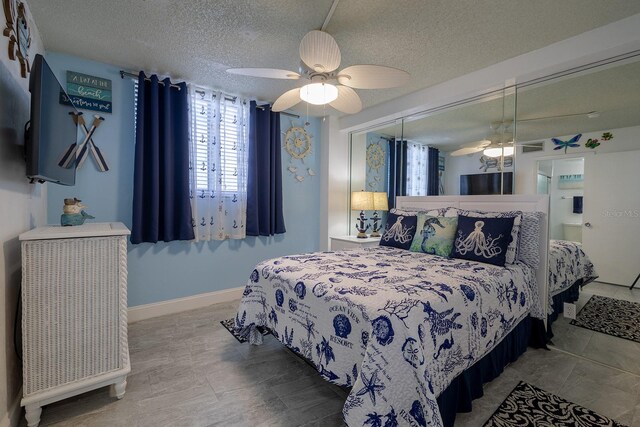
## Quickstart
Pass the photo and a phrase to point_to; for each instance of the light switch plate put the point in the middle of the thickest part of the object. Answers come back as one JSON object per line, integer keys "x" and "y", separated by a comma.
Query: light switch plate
{"x": 569, "y": 311}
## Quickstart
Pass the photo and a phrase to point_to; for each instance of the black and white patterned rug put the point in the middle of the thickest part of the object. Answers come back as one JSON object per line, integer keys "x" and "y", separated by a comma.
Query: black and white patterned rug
{"x": 229, "y": 325}
{"x": 611, "y": 316}
{"x": 530, "y": 406}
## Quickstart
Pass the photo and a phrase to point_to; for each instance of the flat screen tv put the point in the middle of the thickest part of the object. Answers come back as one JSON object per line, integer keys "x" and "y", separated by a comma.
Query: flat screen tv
{"x": 51, "y": 130}
{"x": 486, "y": 183}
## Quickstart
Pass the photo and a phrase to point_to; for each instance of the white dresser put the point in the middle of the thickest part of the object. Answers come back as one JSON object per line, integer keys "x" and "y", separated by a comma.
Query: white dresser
{"x": 74, "y": 313}
{"x": 340, "y": 243}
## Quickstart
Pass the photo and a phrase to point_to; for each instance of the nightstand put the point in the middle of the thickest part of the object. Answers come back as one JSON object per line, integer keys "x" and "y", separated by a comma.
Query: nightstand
{"x": 352, "y": 242}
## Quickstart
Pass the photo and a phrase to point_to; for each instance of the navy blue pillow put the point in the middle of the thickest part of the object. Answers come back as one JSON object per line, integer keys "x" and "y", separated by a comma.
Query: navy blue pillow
{"x": 399, "y": 231}
{"x": 483, "y": 239}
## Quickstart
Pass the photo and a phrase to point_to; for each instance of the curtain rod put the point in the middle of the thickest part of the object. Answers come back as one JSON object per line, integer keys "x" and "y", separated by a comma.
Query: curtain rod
{"x": 135, "y": 76}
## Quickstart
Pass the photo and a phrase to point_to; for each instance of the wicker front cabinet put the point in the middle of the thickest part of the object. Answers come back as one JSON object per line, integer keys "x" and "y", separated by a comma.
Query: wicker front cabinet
{"x": 74, "y": 313}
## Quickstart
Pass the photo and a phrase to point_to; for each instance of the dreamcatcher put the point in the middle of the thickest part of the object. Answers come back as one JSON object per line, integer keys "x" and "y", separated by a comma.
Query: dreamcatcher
{"x": 297, "y": 143}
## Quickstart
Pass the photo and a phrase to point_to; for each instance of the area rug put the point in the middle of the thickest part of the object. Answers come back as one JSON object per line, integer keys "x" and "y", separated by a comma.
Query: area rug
{"x": 229, "y": 324}
{"x": 528, "y": 405}
{"x": 611, "y": 316}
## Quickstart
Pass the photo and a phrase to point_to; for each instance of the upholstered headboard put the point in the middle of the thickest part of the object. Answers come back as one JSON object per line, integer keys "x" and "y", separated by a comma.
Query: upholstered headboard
{"x": 525, "y": 203}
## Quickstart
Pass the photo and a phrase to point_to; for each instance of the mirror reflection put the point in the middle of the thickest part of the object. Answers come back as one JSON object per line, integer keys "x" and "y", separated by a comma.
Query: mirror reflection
{"x": 466, "y": 149}
{"x": 580, "y": 144}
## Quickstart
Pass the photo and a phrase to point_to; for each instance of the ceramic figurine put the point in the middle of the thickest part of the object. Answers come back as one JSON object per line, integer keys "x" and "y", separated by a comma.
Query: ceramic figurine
{"x": 362, "y": 230}
{"x": 375, "y": 231}
{"x": 73, "y": 213}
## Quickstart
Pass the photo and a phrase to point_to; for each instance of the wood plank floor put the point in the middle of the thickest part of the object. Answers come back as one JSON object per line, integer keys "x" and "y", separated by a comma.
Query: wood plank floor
{"x": 187, "y": 370}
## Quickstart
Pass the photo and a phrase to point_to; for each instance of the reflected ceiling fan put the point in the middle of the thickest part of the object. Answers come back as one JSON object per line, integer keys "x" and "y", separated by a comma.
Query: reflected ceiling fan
{"x": 501, "y": 143}
{"x": 322, "y": 82}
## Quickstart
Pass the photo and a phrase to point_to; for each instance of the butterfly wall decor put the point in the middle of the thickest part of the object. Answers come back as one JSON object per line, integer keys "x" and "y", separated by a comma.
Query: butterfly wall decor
{"x": 559, "y": 144}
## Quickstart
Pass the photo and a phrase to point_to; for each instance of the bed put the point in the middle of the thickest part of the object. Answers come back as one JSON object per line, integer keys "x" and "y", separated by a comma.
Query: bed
{"x": 409, "y": 333}
{"x": 569, "y": 270}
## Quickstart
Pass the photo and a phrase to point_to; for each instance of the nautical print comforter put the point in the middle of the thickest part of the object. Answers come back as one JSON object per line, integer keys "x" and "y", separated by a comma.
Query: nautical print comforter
{"x": 567, "y": 264}
{"x": 396, "y": 326}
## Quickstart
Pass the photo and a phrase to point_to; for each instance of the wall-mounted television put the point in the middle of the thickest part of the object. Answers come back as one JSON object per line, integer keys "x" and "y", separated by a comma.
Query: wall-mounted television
{"x": 486, "y": 183}
{"x": 51, "y": 129}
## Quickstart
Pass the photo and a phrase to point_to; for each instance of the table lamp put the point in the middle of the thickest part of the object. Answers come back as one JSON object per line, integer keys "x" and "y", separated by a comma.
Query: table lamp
{"x": 362, "y": 201}
{"x": 380, "y": 203}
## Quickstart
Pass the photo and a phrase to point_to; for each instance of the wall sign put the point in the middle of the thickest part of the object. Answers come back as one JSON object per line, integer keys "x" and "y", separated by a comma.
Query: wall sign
{"x": 17, "y": 29}
{"x": 87, "y": 92}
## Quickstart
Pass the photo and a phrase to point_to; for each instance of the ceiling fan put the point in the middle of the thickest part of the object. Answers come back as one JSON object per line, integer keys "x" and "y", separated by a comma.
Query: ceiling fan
{"x": 501, "y": 142}
{"x": 322, "y": 82}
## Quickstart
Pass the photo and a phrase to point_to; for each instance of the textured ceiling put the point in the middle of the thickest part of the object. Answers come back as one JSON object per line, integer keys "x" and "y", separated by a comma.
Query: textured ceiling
{"x": 434, "y": 40}
{"x": 613, "y": 91}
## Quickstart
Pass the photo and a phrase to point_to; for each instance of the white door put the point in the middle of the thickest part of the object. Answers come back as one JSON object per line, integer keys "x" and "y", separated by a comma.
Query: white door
{"x": 611, "y": 218}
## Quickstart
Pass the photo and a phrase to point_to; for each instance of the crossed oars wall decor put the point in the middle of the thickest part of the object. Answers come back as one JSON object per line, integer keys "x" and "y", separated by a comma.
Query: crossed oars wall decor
{"x": 78, "y": 153}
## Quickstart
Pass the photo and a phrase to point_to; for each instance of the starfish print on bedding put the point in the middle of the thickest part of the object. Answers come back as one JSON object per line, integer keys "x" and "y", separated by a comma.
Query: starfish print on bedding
{"x": 371, "y": 386}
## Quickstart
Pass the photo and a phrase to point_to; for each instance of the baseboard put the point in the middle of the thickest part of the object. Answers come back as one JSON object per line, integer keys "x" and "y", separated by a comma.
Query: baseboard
{"x": 148, "y": 311}
{"x": 12, "y": 417}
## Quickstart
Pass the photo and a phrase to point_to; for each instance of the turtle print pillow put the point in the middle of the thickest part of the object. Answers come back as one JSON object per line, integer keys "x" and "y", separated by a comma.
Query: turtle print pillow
{"x": 483, "y": 239}
{"x": 399, "y": 231}
{"x": 434, "y": 235}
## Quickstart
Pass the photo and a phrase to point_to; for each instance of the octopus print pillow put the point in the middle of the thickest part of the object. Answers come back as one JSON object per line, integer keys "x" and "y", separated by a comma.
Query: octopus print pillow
{"x": 434, "y": 235}
{"x": 483, "y": 239}
{"x": 399, "y": 231}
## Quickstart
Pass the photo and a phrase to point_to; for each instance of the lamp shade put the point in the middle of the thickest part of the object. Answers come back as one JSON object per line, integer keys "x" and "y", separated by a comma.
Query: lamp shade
{"x": 362, "y": 201}
{"x": 380, "y": 201}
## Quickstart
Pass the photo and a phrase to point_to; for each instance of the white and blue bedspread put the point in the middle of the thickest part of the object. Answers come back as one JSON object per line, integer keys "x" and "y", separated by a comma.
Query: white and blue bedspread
{"x": 394, "y": 325}
{"x": 567, "y": 264}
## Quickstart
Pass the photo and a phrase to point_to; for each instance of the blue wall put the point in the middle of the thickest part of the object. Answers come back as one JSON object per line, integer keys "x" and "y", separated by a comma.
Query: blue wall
{"x": 164, "y": 271}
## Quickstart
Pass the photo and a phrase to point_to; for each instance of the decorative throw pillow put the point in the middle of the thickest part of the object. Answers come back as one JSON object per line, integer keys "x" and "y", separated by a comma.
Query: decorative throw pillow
{"x": 529, "y": 243}
{"x": 434, "y": 235}
{"x": 483, "y": 239}
{"x": 399, "y": 231}
{"x": 512, "y": 251}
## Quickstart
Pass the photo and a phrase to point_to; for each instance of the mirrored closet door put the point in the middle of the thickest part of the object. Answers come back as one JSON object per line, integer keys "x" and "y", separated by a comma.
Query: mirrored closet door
{"x": 578, "y": 139}
{"x": 467, "y": 148}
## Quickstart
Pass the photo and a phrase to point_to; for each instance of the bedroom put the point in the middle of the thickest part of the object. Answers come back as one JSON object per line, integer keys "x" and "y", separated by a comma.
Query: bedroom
{"x": 164, "y": 278}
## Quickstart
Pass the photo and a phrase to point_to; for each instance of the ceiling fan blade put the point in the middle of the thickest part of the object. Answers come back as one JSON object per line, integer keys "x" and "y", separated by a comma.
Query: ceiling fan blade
{"x": 372, "y": 77}
{"x": 466, "y": 150}
{"x": 320, "y": 52}
{"x": 588, "y": 114}
{"x": 475, "y": 144}
{"x": 348, "y": 100}
{"x": 269, "y": 73}
{"x": 287, "y": 100}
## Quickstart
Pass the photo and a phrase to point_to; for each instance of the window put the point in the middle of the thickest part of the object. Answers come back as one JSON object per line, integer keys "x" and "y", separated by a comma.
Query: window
{"x": 417, "y": 167}
{"x": 217, "y": 167}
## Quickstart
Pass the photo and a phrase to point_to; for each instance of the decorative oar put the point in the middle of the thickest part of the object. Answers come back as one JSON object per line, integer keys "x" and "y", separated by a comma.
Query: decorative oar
{"x": 84, "y": 145}
{"x": 96, "y": 153}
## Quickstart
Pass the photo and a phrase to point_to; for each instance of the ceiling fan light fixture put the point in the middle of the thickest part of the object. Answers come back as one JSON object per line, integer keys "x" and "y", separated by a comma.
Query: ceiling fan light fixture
{"x": 319, "y": 93}
{"x": 498, "y": 151}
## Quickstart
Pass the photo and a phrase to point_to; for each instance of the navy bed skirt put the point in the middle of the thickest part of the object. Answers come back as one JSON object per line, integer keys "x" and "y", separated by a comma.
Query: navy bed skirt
{"x": 468, "y": 385}
{"x": 569, "y": 295}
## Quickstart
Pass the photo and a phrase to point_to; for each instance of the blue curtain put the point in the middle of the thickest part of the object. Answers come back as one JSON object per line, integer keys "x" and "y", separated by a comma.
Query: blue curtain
{"x": 397, "y": 170}
{"x": 161, "y": 208}
{"x": 433, "y": 176}
{"x": 264, "y": 175}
